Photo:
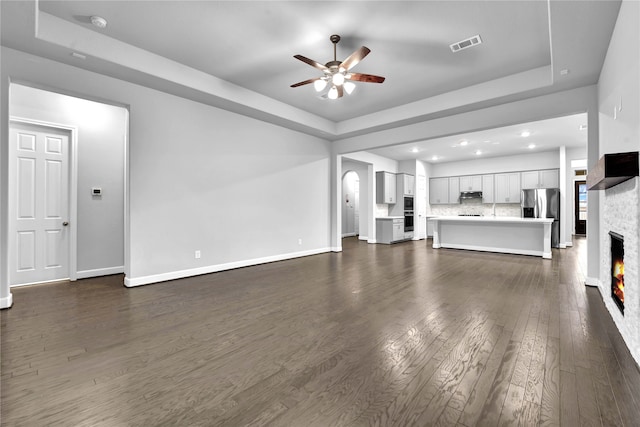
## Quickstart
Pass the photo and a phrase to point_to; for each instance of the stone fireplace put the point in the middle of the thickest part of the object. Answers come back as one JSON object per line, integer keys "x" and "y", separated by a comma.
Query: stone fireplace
{"x": 620, "y": 238}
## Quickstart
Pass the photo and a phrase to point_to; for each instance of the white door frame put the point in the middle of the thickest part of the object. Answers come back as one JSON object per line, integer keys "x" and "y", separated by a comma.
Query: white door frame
{"x": 73, "y": 187}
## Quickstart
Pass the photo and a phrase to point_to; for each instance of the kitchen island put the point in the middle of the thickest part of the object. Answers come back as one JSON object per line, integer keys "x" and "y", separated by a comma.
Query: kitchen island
{"x": 512, "y": 235}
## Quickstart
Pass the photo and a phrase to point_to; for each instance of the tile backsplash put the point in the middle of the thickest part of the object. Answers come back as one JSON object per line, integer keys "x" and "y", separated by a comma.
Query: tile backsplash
{"x": 476, "y": 208}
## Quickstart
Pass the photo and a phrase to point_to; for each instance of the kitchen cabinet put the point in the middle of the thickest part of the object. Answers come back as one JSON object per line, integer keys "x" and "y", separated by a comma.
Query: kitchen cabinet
{"x": 507, "y": 188}
{"x": 454, "y": 189}
{"x": 408, "y": 183}
{"x": 548, "y": 178}
{"x": 471, "y": 183}
{"x": 390, "y": 230}
{"x": 439, "y": 191}
{"x": 385, "y": 187}
{"x": 487, "y": 189}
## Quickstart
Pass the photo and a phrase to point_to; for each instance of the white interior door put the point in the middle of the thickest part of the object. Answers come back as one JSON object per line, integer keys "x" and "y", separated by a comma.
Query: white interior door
{"x": 356, "y": 213}
{"x": 39, "y": 204}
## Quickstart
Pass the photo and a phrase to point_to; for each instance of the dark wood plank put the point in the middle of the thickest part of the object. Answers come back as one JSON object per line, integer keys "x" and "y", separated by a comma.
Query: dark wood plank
{"x": 513, "y": 408}
{"x": 493, "y": 405}
{"x": 479, "y": 394}
{"x": 375, "y": 335}
{"x": 587, "y": 402}
{"x": 550, "y": 404}
{"x": 569, "y": 413}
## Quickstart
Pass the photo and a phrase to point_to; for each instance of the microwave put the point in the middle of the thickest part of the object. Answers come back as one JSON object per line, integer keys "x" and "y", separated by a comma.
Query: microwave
{"x": 408, "y": 203}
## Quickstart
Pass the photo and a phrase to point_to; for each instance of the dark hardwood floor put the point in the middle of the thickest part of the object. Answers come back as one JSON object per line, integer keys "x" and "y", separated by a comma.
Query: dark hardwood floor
{"x": 377, "y": 335}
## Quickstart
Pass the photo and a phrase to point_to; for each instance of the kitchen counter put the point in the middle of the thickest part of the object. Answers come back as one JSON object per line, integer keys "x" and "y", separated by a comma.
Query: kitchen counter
{"x": 390, "y": 229}
{"x": 514, "y": 235}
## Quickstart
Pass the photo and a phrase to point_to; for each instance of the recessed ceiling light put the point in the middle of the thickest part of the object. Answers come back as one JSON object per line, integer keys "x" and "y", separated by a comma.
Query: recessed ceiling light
{"x": 414, "y": 150}
{"x": 564, "y": 72}
{"x": 478, "y": 152}
{"x": 464, "y": 142}
{"x": 525, "y": 133}
{"x": 98, "y": 21}
{"x": 531, "y": 146}
{"x": 435, "y": 158}
{"x": 583, "y": 127}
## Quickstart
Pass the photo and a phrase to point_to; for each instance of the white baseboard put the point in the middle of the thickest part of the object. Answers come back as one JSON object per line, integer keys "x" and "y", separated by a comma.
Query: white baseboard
{"x": 361, "y": 237}
{"x": 590, "y": 281}
{"x": 371, "y": 241}
{"x": 348, "y": 235}
{"x": 7, "y": 301}
{"x": 546, "y": 255}
{"x": 336, "y": 249}
{"x": 173, "y": 275}
{"x": 84, "y": 274}
{"x": 562, "y": 245}
{"x": 569, "y": 244}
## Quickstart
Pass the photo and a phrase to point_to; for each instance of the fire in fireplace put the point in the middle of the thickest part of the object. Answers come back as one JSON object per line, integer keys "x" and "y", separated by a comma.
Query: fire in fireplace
{"x": 617, "y": 269}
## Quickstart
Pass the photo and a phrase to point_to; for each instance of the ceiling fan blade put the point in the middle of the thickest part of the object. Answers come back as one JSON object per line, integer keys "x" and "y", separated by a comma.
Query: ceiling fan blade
{"x": 306, "y": 82}
{"x": 367, "y": 78}
{"x": 355, "y": 57}
{"x": 340, "y": 91}
{"x": 311, "y": 62}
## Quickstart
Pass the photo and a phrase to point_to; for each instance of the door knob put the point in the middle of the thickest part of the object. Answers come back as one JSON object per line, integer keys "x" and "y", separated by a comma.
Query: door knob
{"x": 65, "y": 223}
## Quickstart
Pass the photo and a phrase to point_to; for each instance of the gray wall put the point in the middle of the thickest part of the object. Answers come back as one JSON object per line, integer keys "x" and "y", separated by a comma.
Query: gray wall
{"x": 200, "y": 178}
{"x": 101, "y": 163}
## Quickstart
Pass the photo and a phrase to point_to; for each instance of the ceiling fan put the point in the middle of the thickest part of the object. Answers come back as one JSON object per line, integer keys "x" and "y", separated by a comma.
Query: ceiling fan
{"x": 336, "y": 74}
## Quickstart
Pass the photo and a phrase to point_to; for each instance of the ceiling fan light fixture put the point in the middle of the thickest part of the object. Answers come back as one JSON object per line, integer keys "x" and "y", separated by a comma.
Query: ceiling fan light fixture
{"x": 349, "y": 87}
{"x": 319, "y": 85}
{"x": 333, "y": 93}
{"x": 337, "y": 79}
{"x": 337, "y": 72}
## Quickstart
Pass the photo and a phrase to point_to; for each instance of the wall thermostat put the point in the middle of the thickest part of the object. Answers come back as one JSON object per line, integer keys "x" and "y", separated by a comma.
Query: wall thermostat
{"x": 96, "y": 191}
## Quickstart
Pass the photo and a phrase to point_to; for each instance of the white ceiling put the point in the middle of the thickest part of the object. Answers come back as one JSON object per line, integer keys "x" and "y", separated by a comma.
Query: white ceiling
{"x": 238, "y": 55}
{"x": 544, "y": 135}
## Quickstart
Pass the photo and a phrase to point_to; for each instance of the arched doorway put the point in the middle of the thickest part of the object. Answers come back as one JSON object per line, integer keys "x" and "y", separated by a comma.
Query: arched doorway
{"x": 350, "y": 204}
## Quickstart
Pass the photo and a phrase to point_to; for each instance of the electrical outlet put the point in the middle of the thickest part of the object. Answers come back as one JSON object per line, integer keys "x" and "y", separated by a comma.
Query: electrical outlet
{"x": 299, "y": 241}
{"x": 197, "y": 254}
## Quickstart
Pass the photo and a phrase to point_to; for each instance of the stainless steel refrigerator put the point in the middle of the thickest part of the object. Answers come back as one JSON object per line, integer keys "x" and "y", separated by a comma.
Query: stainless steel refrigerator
{"x": 543, "y": 203}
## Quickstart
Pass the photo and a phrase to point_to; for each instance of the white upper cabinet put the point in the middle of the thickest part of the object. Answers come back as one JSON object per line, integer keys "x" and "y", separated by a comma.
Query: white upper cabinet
{"x": 487, "y": 189}
{"x": 454, "y": 189}
{"x": 409, "y": 184}
{"x": 548, "y": 178}
{"x": 529, "y": 179}
{"x": 386, "y": 187}
{"x": 406, "y": 184}
{"x": 471, "y": 183}
{"x": 439, "y": 191}
{"x": 507, "y": 188}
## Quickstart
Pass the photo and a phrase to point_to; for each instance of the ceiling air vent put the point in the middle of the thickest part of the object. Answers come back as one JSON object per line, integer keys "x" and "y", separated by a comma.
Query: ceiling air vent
{"x": 464, "y": 44}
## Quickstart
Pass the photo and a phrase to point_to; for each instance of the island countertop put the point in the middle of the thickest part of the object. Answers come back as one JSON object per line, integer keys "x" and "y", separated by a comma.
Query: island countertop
{"x": 510, "y": 219}
{"x": 514, "y": 235}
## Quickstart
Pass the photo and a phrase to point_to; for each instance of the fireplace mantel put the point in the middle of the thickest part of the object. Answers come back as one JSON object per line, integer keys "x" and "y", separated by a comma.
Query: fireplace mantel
{"x": 612, "y": 169}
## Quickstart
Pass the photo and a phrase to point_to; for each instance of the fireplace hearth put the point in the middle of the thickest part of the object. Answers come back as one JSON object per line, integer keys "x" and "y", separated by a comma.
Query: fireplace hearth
{"x": 617, "y": 269}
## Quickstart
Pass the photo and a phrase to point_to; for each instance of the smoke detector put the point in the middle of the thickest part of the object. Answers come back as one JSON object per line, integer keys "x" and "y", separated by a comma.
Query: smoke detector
{"x": 98, "y": 21}
{"x": 466, "y": 43}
